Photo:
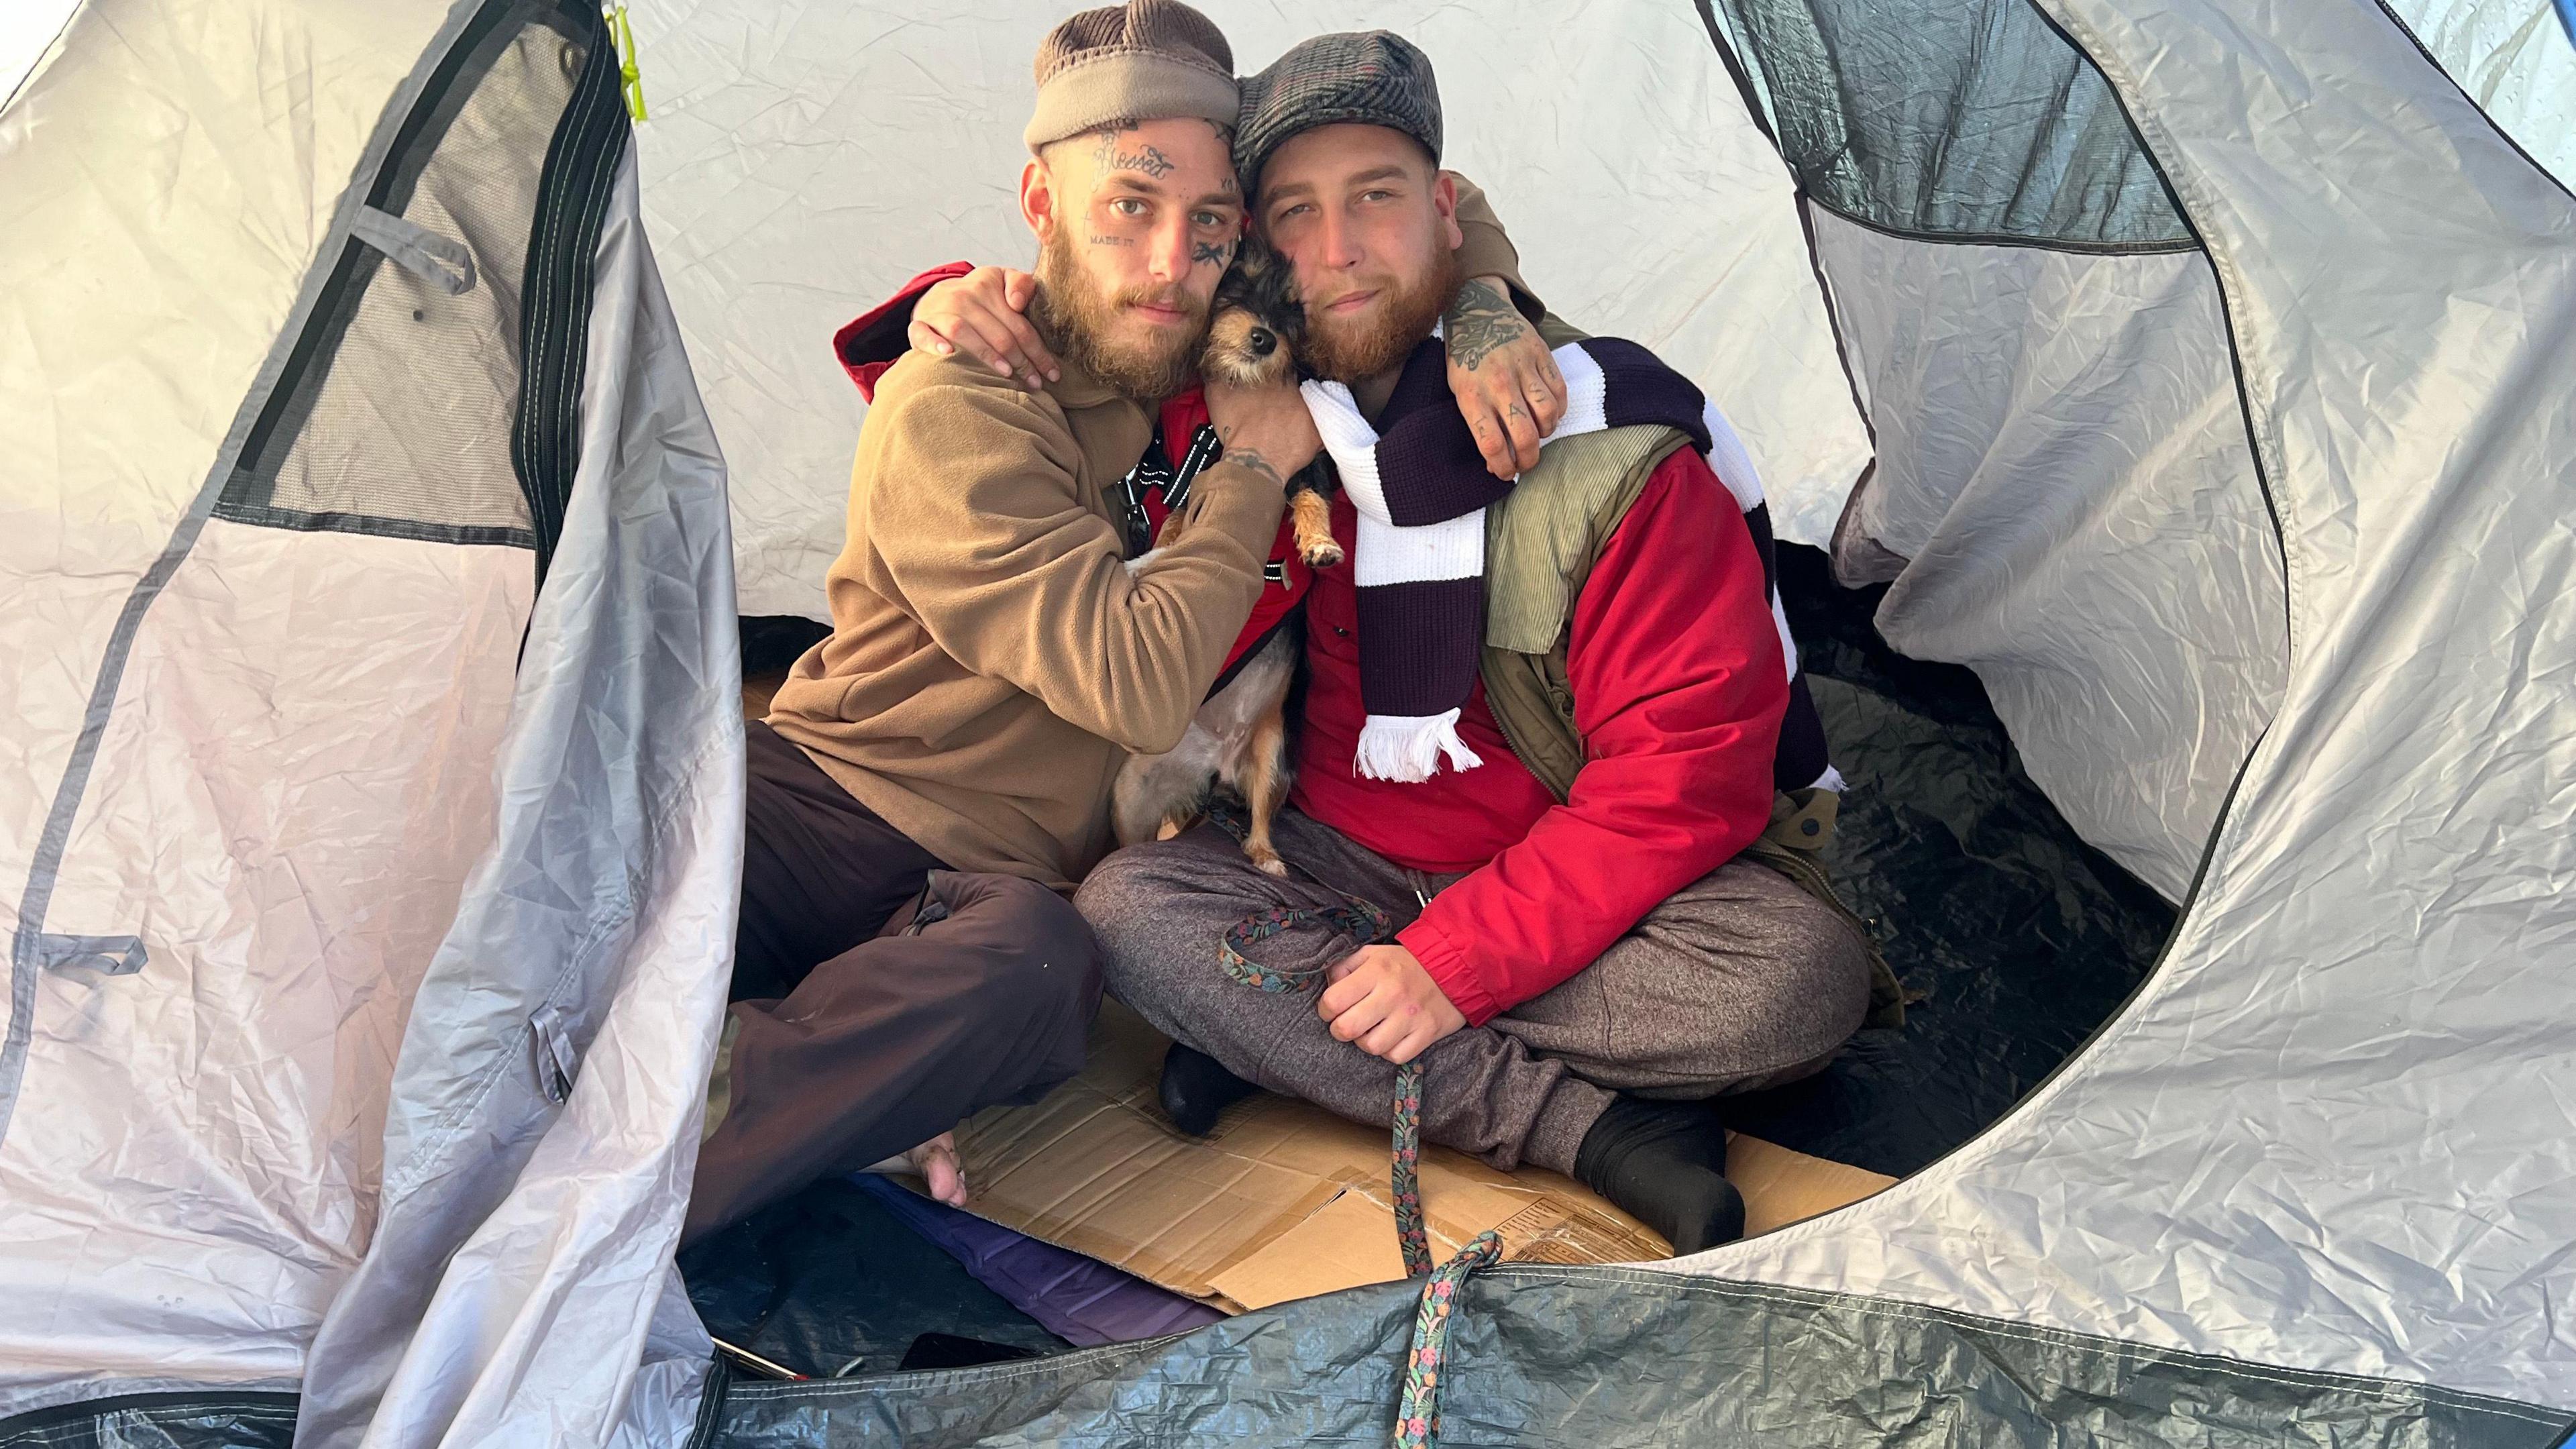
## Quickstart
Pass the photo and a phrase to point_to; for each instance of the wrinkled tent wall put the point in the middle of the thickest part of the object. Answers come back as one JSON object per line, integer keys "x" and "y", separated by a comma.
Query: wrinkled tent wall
{"x": 286, "y": 793}
{"x": 190, "y": 1154}
{"x": 2064, "y": 496}
{"x": 2334, "y": 1131}
{"x": 2517, "y": 61}
{"x": 546, "y": 1108}
{"x": 803, "y": 160}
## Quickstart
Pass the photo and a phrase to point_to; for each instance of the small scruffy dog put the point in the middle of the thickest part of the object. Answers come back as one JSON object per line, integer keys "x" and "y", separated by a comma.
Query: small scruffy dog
{"x": 1240, "y": 736}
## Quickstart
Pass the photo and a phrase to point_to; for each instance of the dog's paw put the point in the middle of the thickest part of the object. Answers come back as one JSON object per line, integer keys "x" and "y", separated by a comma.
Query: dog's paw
{"x": 1267, "y": 862}
{"x": 1322, "y": 555}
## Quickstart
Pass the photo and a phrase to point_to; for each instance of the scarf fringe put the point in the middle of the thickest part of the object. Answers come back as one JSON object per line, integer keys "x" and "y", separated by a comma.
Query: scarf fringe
{"x": 1407, "y": 748}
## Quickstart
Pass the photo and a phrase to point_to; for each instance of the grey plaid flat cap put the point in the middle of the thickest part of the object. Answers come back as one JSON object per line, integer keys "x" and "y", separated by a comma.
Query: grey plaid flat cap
{"x": 1369, "y": 78}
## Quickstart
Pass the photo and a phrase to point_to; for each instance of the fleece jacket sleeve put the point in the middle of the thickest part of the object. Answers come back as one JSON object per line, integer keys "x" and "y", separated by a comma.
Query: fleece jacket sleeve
{"x": 1678, "y": 693}
{"x": 1485, "y": 250}
{"x": 971, "y": 507}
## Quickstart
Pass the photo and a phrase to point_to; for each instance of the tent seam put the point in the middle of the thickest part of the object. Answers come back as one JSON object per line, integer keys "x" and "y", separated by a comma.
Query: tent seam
{"x": 2007, "y": 239}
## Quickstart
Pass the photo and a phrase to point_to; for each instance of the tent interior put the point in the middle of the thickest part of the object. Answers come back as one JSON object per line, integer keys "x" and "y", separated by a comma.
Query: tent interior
{"x": 2014, "y": 939}
{"x": 2031, "y": 556}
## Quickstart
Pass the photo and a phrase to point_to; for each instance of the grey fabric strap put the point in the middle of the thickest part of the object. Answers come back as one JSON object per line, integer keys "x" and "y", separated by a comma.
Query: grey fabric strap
{"x": 107, "y": 955}
{"x": 442, "y": 263}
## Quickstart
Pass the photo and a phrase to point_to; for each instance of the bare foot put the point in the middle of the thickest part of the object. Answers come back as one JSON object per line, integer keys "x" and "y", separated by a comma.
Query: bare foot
{"x": 936, "y": 1161}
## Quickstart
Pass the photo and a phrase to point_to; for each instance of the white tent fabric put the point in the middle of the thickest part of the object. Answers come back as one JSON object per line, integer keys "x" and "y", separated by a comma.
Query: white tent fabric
{"x": 27, "y": 30}
{"x": 2334, "y": 1132}
{"x": 804, "y": 160}
{"x": 2516, "y": 59}
{"x": 151, "y": 297}
{"x": 367, "y": 905}
{"x": 528, "y": 1221}
{"x": 2062, "y": 456}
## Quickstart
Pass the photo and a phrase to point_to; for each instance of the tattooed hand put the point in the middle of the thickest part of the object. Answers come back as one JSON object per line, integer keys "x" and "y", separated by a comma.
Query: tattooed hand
{"x": 1266, "y": 429}
{"x": 1508, "y": 387}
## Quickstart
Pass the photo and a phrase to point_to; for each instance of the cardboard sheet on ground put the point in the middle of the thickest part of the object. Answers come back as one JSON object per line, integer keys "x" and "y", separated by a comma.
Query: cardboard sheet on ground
{"x": 1286, "y": 1200}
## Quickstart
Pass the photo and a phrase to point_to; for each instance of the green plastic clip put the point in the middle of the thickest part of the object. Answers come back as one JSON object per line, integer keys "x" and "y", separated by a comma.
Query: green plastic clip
{"x": 624, "y": 35}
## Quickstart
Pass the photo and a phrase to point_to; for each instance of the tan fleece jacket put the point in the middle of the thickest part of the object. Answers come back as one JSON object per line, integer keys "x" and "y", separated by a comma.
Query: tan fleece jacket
{"x": 992, "y": 659}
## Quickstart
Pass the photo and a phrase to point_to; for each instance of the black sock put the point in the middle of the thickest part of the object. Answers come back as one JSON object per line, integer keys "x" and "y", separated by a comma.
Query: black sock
{"x": 1196, "y": 1087}
{"x": 1665, "y": 1162}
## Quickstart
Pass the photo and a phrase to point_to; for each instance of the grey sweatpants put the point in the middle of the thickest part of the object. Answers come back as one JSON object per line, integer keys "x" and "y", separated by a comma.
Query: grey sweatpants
{"x": 1739, "y": 980}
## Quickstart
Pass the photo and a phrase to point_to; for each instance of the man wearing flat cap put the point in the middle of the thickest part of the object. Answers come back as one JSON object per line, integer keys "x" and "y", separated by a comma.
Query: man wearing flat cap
{"x": 1554, "y": 739}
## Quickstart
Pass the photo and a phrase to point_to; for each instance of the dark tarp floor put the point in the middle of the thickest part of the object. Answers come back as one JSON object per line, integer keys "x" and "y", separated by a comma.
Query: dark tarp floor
{"x": 2020, "y": 939}
{"x": 830, "y": 1276}
{"x": 2017, "y": 938}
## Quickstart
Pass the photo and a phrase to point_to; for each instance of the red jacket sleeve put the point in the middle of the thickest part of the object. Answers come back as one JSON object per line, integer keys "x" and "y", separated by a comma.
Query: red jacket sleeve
{"x": 873, "y": 340}
{"x": 1678, "y": 692}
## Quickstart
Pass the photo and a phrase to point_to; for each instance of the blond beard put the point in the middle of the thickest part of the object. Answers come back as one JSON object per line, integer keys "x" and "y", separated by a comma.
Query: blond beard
{"x": 1355, "y": 351}
{"x": 1077, "y": 314}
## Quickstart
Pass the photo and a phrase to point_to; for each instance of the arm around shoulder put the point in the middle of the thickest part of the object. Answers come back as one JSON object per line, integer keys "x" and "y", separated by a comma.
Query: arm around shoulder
{"x": 1486, "y": 250}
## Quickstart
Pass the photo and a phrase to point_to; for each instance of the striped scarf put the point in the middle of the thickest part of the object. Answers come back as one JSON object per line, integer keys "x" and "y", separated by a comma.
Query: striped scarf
{"x": 1421, "y": 489}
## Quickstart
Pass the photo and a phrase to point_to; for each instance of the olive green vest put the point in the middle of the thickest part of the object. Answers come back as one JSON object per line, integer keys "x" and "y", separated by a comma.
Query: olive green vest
{"x": 1540, "y": 544}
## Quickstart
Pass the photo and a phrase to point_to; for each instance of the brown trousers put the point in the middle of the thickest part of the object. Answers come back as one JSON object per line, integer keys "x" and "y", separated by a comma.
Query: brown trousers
{"x": 1739, "y": 980}
{"x": 857, "y": 1041}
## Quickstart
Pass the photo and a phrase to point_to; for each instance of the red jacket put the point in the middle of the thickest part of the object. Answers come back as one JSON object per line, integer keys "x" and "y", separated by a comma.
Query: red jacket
{"x": 1678, "y": 693}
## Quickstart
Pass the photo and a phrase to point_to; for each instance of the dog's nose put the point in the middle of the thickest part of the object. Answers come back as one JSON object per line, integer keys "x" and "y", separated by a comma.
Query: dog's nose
{"x": 1262, "y": 342}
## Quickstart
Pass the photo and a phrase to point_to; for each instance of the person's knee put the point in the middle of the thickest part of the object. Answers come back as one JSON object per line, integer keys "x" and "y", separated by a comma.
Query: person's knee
{"x": 1822, "y": 967}
{"x": 1752, "y": 977}
{"x": 1037, "y": 947}
{"x": 1132, "y": 883}
{"x": 1128, "y": 900}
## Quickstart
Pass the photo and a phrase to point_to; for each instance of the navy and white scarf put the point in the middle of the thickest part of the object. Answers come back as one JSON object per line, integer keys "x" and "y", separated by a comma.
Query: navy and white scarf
{"x": 1421, "y": 489}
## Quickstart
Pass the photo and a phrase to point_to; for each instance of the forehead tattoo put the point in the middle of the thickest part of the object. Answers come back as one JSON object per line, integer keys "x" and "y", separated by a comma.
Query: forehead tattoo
{"x": 1112, "y": 154}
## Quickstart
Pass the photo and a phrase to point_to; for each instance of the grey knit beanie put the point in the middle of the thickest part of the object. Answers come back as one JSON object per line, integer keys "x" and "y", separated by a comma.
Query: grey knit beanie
{"x": 1146, "y": 60}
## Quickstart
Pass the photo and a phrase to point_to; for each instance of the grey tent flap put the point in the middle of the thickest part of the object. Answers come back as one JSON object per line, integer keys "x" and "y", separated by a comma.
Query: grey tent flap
{"x": 1605, "y": 1358}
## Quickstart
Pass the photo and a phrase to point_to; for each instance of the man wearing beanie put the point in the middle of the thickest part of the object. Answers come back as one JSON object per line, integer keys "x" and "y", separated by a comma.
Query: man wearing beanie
{"x": 935, "y": 774}
{"x": 1582, "y": 953}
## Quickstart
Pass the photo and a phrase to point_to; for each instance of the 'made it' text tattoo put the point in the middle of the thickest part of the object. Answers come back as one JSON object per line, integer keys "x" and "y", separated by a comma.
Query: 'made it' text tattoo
{"x": 1113, "y": 241}
{"x": 1480, "y": 322}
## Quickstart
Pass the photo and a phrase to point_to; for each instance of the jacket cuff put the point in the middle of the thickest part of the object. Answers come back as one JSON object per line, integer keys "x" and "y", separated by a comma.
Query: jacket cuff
{"x": 871, "y": 342}
{"x": 1239, "y": 503}
{"x": 1447, "y": 965}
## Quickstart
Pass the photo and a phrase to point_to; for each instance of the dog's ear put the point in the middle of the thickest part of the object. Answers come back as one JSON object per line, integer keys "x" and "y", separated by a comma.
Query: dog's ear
{"x": 1270, "y": 283}
{"x": 1256, "y": 260}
